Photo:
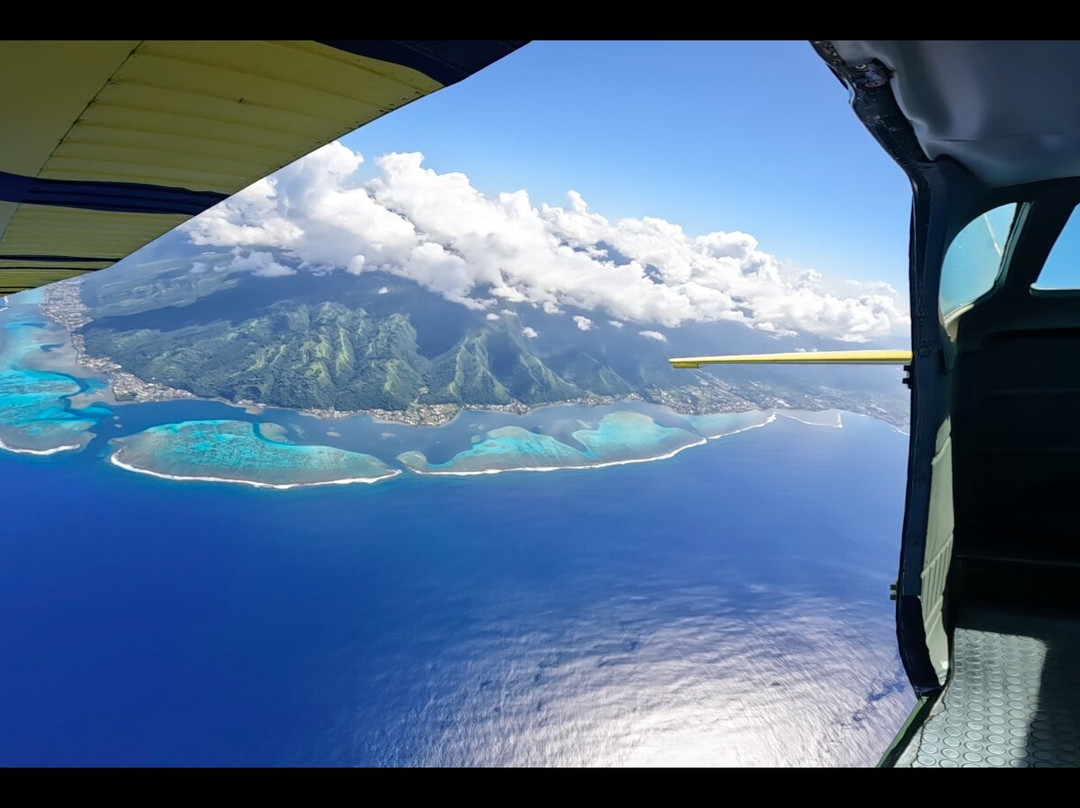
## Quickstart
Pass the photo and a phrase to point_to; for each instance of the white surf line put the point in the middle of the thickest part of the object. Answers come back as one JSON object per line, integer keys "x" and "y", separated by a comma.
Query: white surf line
{"x": 7, "y": 448}
{"x": 255, "y": 483}
{"x": 766, "y": 422}
{"x": 838, "y": 425}
{"x": 583, "y": 467}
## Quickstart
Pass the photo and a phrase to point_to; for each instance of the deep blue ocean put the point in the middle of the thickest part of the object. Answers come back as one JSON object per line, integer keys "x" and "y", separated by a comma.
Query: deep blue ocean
{"x": 727, "y": 606}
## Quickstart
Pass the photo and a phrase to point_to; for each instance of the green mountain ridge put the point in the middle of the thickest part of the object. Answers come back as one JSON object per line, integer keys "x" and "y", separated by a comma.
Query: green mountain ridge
{"x": 327, "y": 356}
{"x": 378, "y": 342}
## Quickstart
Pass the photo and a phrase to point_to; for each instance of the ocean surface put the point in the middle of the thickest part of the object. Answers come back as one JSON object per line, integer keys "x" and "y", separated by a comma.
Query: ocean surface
{"x": 726, "y": 605}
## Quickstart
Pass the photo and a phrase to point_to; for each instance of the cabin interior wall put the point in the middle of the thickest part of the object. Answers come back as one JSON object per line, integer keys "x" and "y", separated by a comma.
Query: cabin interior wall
{"x": 1017, "y": 441}
{"x": 1018, "y": 483}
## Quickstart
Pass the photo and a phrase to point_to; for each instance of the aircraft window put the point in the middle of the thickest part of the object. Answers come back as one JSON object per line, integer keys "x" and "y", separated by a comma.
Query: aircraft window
{"x": 973, "y": 261}
{"x": 1062, "y": 269}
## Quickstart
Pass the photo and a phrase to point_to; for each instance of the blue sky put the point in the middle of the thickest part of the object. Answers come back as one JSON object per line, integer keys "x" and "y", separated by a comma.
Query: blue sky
{"x": 646, "y": 183}
{"x": 752, "y": 136}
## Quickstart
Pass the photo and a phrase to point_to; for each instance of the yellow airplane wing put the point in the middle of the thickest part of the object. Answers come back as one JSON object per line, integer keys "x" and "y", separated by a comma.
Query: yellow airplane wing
{"x": 104, "y": 146}
{"x": 800, "y": 358}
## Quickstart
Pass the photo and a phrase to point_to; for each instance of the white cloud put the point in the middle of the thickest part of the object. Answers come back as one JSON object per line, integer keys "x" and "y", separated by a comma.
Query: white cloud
{"x": 656, "y": 335}
{"x": 437, "y": 230}
{"x": 584, "y": 323}
{"x": 383, "y": 290}
{"x": 615, "y": 323}
{"x": 492, "y": 316}
{"x": 530, "y": 332}
{"x": 259, "y": 263}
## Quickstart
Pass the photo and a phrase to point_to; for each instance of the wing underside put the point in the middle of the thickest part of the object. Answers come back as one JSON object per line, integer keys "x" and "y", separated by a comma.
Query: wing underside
{"x": 104, "y": 146}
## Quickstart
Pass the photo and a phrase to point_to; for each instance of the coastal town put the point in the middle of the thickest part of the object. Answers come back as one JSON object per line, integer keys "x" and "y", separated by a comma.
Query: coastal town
{"x": 708, "y": 394}
{"x": 62, "y": 303}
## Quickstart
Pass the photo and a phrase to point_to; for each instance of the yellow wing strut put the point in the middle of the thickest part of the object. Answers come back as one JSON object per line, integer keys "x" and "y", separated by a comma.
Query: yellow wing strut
{"x": 799, "y": 358}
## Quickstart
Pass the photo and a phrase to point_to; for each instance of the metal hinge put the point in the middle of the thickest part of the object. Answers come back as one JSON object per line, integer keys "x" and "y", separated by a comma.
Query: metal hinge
{"x": 868, "y": 75}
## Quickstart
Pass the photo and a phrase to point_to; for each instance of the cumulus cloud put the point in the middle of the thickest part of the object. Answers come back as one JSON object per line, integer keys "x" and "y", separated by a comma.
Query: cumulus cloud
{"x": 615, "y": 323}
{"x": 259, "y": 263}
{"x": 530, "y": 332}
{"x": 492, "y": 316}
{"x": 584, "y": 323}
{"x": 484, "y": 252}
{"x": 384, "y": 290}
{"x": 656, "y": 335}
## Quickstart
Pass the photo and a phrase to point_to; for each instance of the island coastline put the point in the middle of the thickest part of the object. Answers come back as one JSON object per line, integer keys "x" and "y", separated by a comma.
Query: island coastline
{"x": 116, "y": 461}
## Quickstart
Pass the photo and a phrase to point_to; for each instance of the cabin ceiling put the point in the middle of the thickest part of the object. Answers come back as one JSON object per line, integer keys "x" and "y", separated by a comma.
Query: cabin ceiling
{"x": 1006, "y": 110}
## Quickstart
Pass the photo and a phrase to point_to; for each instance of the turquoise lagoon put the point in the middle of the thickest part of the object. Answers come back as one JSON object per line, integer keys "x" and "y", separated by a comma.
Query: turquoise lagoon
{"x": 36, "y": 411}
{"x": 255, "y": 454}
{"x": 210, "y": 441}
{"x": 619, "y": 437}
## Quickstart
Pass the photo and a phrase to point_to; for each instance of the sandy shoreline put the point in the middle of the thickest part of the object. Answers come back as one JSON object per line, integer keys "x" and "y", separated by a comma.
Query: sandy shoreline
{"x": 54, "y": 450}
{"x": 583, "y": 466}
{"x": 254, "y": 483}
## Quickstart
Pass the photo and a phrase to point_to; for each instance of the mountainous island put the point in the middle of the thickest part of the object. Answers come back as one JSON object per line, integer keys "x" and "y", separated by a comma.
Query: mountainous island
{"x": 335, "y": 343}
